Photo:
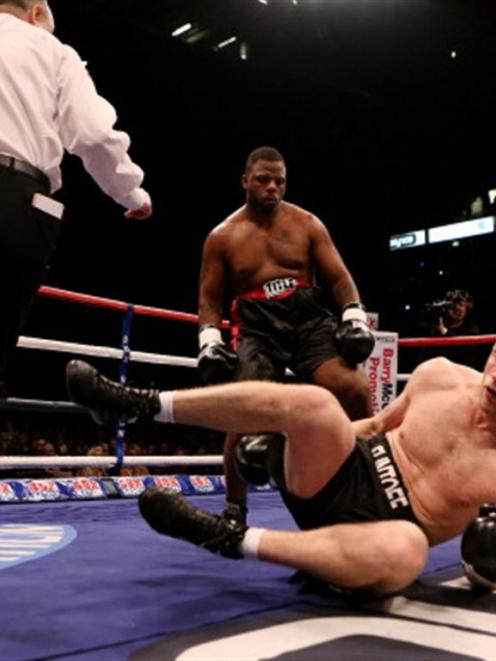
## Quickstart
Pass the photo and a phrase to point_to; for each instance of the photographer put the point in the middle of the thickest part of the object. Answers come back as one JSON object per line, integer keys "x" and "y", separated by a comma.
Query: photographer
{"x": 447, "y": 318}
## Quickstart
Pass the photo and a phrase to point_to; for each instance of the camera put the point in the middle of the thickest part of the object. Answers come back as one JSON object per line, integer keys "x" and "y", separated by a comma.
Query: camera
{"x": 437, "y": 310}
{"x": 438, "y": 307}
{"x": 448, "y": 303}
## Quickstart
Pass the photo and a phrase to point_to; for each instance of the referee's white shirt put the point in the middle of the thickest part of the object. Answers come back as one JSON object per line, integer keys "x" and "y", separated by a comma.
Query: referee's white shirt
{"x": 48, "y": 102}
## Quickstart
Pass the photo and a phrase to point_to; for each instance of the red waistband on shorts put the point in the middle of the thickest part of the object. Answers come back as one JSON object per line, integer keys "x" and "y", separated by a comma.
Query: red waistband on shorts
{"x": 275, "y": 289}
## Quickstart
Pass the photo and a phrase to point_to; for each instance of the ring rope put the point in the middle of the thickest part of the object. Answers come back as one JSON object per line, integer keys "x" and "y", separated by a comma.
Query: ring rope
{"x": 7, "y": 463}
{"x": 459, "y": 340}
{"x": 112, "y": 304}
{"x": 121, "y": 306}
{"x": 124, "y": 353}
{"x": 446, "y": 341}
{"x": 104, "y": 352}
{"x": 42, "y": 405}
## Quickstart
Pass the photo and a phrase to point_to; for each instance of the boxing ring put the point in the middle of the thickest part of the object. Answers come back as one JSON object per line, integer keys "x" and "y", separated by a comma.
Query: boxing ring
{"x": 84, "y": 577}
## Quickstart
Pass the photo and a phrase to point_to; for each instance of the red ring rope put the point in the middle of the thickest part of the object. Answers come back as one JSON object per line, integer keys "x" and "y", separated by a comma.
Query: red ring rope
{"x": 111, "y": 304}
{"x": 121, "y": 306}
{"x": 446, "y": 341}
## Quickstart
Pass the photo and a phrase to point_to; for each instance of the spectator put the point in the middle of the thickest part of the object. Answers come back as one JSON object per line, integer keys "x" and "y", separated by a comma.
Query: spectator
{"x": 93, "y": 471}
{"x": 62, "y": 449}
{"x": 451, "y": 317}
{"x": 47, "y": 449}
{"x": 134, "y": 450}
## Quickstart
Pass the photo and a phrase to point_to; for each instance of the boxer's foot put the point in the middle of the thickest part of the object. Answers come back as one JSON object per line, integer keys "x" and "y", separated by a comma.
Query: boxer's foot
{"x": 172, "y": 514}
{"x": 108, "y": 401}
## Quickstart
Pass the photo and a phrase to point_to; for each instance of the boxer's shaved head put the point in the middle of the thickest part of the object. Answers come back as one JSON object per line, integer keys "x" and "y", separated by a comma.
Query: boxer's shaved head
{"x": 263, "y": 154}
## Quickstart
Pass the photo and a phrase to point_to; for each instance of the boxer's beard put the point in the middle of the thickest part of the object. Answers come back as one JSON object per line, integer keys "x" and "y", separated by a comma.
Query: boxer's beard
{"x": 260, "y": 206}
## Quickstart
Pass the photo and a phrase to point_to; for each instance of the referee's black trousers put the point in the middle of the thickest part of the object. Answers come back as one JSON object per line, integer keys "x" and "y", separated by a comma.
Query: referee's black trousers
{"x": 27, "y": 238}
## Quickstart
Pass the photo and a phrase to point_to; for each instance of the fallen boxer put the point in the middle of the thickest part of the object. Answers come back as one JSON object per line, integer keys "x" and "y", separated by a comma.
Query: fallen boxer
{"x": 370, "y": 495}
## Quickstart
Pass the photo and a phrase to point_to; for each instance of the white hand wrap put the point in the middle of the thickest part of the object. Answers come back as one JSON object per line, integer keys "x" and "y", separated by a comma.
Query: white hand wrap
{"x": 354, "y": 312}
{"x": 209, "y": 334}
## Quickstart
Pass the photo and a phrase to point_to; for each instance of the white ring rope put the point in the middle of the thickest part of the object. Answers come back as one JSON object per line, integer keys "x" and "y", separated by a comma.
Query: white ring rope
{"x": 104, "y": 352}
{"x": 39, "y": 405}
{"x": 7, "y": 463}
{"x": 14, "y": 462}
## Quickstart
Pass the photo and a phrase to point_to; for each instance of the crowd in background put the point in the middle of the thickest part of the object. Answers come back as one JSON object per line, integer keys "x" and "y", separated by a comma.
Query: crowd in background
{"x": 56, "y": 435}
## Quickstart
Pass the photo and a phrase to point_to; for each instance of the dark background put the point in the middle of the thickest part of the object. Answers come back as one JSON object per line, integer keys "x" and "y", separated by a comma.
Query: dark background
{"x": 382, "y": 130}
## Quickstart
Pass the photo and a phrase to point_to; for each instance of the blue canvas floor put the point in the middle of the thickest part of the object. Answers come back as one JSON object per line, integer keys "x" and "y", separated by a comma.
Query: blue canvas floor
{"x": 114, "y": 589}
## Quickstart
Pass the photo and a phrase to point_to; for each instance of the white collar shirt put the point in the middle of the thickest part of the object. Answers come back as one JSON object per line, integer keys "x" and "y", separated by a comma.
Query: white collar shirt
{"x": 48, "y": 103}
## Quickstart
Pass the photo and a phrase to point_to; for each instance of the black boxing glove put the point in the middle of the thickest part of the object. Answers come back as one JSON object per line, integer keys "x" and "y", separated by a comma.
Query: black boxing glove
{"x": 255, "y": 453}
{"x": 354, "y": 339}
{"x": 216, "y": 361}
{"x": 479, "y": 549}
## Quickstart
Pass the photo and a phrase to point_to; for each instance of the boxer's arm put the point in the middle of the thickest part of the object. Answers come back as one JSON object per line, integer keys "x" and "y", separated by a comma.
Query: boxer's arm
{"x": 432, "y": 376}
{"x": 216, "y": 361}
{"x": 213, "y": 274}
{"x": 388, "y": 418}
{"x": 353, "y": 338}
{"x": 330, "y": 265}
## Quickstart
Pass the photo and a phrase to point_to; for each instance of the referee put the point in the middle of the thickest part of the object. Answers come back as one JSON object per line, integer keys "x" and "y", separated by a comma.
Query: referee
{"x": 48, "y": 104}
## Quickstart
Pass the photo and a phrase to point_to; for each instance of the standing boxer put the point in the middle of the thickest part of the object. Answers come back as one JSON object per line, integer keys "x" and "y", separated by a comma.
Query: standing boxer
{"x": 48, "y": 103}
{"x": 269, "y": 253}
{"x": 369, "y": 495}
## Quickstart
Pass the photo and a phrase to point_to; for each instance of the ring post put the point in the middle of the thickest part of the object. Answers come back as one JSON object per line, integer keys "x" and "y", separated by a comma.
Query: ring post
{"x": 120, "y": 436}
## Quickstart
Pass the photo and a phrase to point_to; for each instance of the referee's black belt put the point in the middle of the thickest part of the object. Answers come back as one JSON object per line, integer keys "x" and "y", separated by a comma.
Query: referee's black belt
{"x": 25, "y": 168}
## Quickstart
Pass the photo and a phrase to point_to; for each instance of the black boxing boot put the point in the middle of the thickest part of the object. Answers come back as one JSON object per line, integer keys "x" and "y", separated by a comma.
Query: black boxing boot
{"x": 109, "y": 402}
{"x": 173, "y": 515}
{"x": 479, "y": 549}
{"x": 259, "y": 456}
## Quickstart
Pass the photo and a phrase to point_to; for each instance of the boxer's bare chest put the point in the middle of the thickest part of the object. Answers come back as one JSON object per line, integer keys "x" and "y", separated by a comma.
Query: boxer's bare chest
{"x": 258, "y": 253}
{"x": 448, "y": 461}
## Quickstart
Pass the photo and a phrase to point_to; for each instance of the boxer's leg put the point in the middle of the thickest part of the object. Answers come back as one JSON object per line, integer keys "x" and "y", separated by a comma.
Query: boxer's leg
{"x": 320, "y": 436}
{"x": 256, "y": 361}
{"x": 383, "y": 556}
{"x": 236, "y": 487}
{"x": 318, "y": 361}
{"x": 348, "y": 384}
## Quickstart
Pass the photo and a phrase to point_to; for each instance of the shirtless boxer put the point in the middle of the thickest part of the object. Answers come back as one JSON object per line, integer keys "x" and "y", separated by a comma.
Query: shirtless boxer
{"x": 370, "y": 495}
{"x": 268, "y": 253}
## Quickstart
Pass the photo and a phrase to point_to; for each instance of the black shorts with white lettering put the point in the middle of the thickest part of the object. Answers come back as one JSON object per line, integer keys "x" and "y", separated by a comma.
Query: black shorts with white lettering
{"x": 269, "y": 335}
{"x": 367, "y": 487}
